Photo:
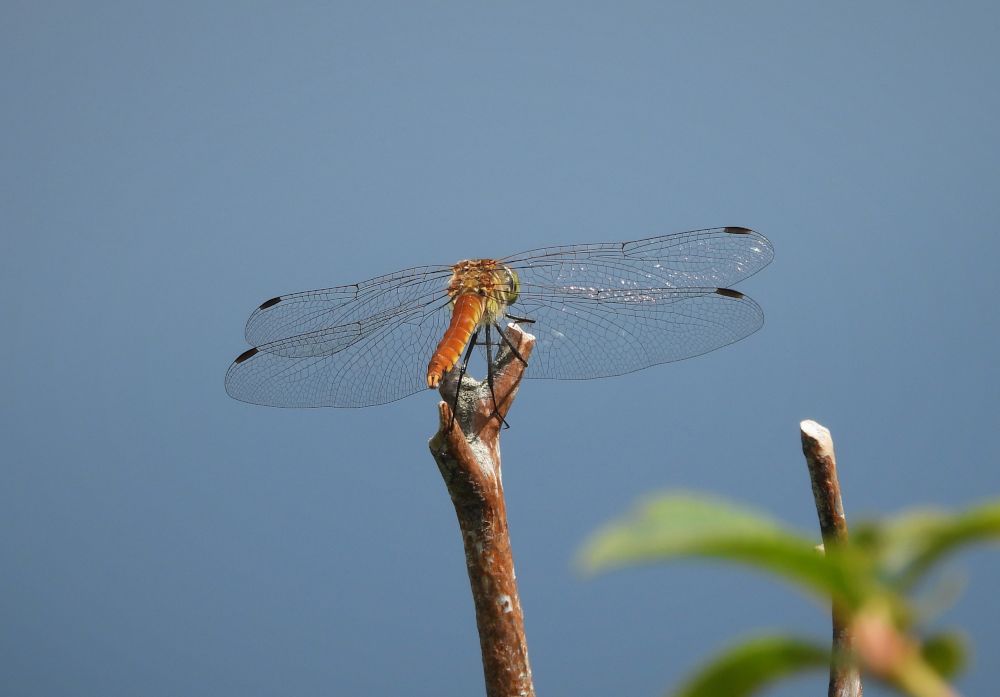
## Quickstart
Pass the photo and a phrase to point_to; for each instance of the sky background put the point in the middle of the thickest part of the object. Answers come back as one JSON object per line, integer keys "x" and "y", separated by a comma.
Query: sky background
{"x": 168, "y": 166}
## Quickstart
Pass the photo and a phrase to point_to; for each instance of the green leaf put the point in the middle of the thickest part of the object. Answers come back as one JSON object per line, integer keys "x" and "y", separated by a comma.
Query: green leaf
{"x": 946, "y": 653}
{"x": 909, "y": 545}
{"x": 745, "y": 669}
{"x": 686, "y": 525}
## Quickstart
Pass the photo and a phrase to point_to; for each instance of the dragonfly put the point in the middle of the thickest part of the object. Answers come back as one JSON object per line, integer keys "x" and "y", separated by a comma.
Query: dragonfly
{"x": 596, "y": 310}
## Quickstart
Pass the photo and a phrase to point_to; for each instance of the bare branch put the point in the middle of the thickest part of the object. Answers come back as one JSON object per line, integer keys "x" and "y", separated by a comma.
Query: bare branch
{"x": 817, "y": 446}
{"x": 467, "y": 452}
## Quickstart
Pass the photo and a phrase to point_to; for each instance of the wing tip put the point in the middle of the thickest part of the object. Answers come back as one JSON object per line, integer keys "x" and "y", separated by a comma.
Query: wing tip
{"x": 730, "y": 293}
{"x": 245, "y": 355}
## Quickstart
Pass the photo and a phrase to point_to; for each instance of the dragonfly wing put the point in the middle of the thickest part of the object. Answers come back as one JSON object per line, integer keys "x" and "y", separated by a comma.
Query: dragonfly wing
{"x": 713, "y": 258}
{"x": 371, "y": 361}
{"x": 310, "y": 311}
{"x": 588, "y": 333}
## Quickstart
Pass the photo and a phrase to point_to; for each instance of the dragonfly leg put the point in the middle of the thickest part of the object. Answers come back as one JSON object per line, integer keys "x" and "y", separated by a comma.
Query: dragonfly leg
{"x": 513, "y": 349}
{"x": 461, "y": 374}
{"x": 489, "y": 374}
{"x": 522, "y": 320}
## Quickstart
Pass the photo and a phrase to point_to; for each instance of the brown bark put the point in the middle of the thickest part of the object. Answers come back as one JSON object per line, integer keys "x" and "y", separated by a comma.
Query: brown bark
{"x": 467, "y": 452}
{"x": 817, "y": 446}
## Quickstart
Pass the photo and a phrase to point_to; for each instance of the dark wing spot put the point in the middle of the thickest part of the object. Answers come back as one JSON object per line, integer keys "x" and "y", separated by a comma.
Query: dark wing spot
{"x": 245, "y": 355}
{"x": 738, "y": 230}
{"x": 270, "y": 303}
{"x": 729, "y": 293}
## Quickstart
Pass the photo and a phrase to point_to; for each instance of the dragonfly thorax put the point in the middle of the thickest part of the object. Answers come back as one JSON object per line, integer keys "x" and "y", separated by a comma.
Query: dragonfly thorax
{"x": 496, "y": 283}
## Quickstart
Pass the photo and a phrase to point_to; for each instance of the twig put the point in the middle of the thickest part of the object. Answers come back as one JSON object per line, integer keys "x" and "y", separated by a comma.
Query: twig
{"x": 467, "y": 452}
{"x": 817, "y": 446}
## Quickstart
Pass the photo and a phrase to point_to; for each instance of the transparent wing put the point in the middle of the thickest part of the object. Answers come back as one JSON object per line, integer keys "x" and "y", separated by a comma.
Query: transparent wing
{"x": 589, "y": 333}
{"x": 600, "y": 309}
{"x": 303, "y": 313}
{"x": 374, "y": 360}
{"x": 713, "y": 258}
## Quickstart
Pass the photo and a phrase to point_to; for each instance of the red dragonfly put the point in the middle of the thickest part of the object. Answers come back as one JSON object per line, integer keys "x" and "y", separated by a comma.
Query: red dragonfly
{"x": 597, "y": 310}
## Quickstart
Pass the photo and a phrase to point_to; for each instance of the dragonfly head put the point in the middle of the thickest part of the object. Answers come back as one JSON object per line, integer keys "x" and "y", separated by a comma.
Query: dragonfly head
{"x": 500, "y": 286}
{"x": 498, "y": 283}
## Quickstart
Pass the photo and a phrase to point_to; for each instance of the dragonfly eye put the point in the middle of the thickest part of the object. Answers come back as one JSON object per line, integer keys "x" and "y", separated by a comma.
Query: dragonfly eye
{"x": 514, "y": 285}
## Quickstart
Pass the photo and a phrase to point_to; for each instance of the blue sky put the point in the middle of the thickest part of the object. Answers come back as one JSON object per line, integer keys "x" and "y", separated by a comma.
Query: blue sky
{"x": 168, "y": 167}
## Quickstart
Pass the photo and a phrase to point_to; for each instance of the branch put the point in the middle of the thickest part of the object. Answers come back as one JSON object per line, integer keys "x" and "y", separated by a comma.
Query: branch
{"x": 467, "y": 452}
{"x": 817, "y": 446}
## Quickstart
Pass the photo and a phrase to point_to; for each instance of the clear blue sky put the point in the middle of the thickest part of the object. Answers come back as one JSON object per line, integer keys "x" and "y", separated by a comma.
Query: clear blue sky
{"x": 168, "y": 166}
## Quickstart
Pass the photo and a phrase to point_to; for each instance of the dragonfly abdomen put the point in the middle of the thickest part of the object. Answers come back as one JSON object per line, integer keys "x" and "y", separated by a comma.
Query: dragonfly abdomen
{"x": 465, "y": 317}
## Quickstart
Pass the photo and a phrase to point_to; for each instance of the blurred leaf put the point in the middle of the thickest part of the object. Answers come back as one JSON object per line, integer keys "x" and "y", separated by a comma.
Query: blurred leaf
{"x": 946, "y": 653}
{"x": 909, "y": 545}
{"x": 934, "y": 600}
{"x": 687, "y": 525}
{"x": 752, "y": 666}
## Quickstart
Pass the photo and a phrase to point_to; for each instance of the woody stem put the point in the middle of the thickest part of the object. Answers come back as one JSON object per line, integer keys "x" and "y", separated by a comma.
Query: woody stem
{"x": 467, "y": 452}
